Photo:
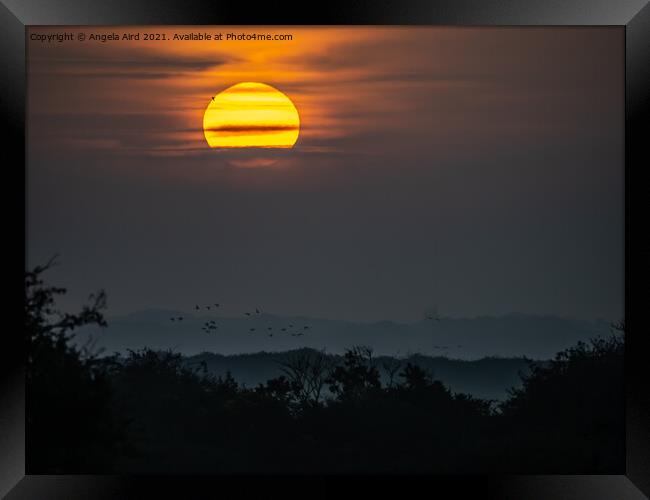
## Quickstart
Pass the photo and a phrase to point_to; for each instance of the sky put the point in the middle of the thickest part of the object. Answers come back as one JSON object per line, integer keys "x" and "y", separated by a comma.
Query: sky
{"x": 477, "y": 170}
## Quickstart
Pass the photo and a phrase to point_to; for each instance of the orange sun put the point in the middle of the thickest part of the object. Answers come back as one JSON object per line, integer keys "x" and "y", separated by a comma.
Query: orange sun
{"x": 251, "y": 115}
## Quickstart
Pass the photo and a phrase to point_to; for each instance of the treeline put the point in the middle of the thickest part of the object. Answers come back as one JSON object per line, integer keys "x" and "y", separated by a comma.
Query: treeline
{"x": 151, "y": 412}
{"x": 487, "y": 378}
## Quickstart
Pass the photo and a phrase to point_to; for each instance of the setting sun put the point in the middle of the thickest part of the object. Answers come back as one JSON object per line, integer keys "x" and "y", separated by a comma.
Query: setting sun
{"x": 251, "y": 115}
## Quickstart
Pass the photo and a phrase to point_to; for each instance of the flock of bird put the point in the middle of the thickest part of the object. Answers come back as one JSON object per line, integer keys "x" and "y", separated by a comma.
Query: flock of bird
{"x": 291, "y": 329}
{"x": 211, "y": 325}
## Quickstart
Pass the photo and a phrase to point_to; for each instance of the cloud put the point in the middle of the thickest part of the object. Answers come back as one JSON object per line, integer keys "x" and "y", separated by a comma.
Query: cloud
{"x": 252, "y": 128}
{"x": 136, "y": 64}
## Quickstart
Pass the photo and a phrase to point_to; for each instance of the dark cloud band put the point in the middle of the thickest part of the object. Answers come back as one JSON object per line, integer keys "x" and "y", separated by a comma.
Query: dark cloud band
{"x": 252, "y": 128}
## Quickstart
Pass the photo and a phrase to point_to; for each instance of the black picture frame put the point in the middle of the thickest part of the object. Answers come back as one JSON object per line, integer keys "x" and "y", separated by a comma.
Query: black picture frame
{"x": 633, "y": 15}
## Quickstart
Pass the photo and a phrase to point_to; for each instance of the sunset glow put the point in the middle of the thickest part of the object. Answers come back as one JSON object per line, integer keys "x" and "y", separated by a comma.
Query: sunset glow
{"x": 251, "y": 114}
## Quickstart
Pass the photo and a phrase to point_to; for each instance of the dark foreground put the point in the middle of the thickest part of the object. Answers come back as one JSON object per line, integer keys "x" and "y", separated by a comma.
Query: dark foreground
{"x": 152, "y": 413}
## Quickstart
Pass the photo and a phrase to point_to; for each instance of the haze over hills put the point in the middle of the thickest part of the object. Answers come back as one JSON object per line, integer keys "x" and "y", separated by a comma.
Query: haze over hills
{"x": 513, "y": 335}
{"x": 487, "y": 378}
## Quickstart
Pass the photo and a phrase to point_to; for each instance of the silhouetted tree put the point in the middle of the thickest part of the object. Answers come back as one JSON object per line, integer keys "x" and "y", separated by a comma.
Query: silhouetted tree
{"x": 415, "y": 377}
{"x": 569, "y": 412}
{"x": 357, "y": 377}
{"x": 70, "y": 422}
{"x": 278, "y": 388}
{"x": 307, "y": 372}
{"x": 391, "y": 366}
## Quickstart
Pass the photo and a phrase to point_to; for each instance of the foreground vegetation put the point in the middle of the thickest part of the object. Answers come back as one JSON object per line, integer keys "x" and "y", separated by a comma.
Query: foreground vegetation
{"x": 150, "y": 412}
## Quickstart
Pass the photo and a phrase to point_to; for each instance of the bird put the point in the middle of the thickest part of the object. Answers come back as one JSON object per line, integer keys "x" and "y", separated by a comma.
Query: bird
{"x": 299, "y": 334}
{"x": 216, "y": 305}
{"x": 172, "y": 319}
{"x": 197, "y": 307}
{"x": 257, "y": 311}
{"x": 207, "y": 307}
{"x": 290, "y": 326}
{"x": 270, "y": 328}
{"x": 305, "y": 328}
{"x": 270, "y": 335}
{"x": 251, "y": 329}
{"x": 180, "y": 318}
{"x": 213, "y": 98}
{"x": 247, "y": 314}
{"x": 284, "y": 329}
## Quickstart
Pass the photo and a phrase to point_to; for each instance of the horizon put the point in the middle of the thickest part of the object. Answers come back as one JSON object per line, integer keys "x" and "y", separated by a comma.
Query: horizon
{"x": 234, "y": 315}
{"x": 465, "y": 338}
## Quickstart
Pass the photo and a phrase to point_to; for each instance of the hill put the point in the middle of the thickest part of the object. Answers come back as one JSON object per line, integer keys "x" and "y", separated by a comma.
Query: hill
{"x": 487, "y": 378}
{"x": 513, "y": 335}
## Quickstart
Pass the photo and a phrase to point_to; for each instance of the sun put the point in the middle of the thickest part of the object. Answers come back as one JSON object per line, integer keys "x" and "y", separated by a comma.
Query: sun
{"x": 251, "y": 115}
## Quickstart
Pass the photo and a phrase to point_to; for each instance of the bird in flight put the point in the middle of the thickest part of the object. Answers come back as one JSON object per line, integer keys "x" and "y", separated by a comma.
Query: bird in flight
{"x": 216, "y": 305}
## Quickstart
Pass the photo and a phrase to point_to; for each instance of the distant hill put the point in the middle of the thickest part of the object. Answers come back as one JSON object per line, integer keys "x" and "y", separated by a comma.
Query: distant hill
{"x": 512, "y": 335}
{"x": 487, "y": 378}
